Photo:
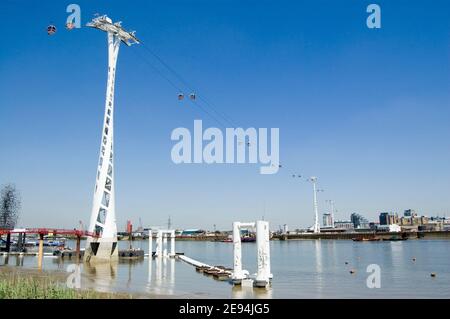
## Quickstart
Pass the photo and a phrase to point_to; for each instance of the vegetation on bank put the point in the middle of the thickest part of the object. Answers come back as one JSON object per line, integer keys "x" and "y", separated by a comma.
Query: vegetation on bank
{"x": 28, "y": 286}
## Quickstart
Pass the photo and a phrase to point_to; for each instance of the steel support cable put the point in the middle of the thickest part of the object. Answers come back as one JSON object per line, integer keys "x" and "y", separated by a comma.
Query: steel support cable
{"x": 178, "y": 88}
{"x": 188, "y": 85}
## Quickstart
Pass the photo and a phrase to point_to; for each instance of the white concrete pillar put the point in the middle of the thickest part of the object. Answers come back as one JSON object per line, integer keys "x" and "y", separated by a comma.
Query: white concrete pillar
{"x": 237, "y": 253}
{"x": 172, "y": 243}
{"x": 238, "y": 273}
{"x": 159, "y": 244}
{"x": 150, "y": 245}
{"x": 263, "y": 245}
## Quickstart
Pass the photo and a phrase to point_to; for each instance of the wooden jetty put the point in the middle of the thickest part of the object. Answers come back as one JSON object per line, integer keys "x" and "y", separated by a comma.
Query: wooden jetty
{"x": 41, "y": 232}
{"x": 220, "y": 273}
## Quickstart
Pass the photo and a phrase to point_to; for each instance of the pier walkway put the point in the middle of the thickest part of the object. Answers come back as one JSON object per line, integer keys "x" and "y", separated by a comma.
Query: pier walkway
{"x": 217, "y": 272}
{"x": 193, "y": 262}
{"x": 48, "y": 232}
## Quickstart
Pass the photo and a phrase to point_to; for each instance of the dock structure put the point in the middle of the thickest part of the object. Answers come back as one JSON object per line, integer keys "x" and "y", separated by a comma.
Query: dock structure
{"x": 237, "y": 275}
{"x": 41, "y": 232}
{"x": 161, "y": 243}
{"x": 263, "y": 275}
{"x": 193, "y": 262}
{"x": 217, "y": 272}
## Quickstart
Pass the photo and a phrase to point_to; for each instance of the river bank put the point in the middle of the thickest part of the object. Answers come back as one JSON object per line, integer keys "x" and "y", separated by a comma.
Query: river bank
{"x": 26, "y": 283}
{"x": 300, "y": 268}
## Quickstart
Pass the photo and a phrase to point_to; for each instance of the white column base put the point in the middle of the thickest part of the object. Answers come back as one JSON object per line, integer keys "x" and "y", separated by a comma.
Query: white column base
{"x": 101, "y": 250}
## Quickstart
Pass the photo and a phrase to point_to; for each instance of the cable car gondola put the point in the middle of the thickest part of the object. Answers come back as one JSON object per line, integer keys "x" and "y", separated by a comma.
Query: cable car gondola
{"x": 51, "y": 29}
{"x": 192, "y": 96}
{"x": 180, "y": 96}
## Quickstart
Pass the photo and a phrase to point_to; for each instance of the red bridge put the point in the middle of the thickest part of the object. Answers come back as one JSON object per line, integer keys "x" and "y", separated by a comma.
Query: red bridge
{"x": 48, "y": 231}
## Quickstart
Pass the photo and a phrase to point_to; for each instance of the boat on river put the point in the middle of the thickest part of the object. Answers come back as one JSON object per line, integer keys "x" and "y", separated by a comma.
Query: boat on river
{"x": 366, "y": 239}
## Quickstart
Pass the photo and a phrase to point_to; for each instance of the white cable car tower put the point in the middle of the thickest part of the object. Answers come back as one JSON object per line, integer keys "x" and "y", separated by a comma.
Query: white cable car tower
{"x": 316, "y": 227}
{"x": 103, "y": 217}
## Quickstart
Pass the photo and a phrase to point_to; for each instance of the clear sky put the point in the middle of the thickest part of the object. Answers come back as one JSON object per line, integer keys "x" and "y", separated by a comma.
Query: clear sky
{"x": 366, "y": 111}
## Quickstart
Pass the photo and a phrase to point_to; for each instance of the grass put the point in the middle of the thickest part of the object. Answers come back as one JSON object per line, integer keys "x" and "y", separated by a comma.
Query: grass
{"x": 15, "y": 285}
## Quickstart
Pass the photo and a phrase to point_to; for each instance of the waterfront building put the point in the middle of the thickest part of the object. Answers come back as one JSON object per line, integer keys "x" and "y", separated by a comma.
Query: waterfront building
{"x": 327, "y": 220}
{"x": 359, "y": 222}
{"x": 446, "y": 225}
{"x": 192, "y": 232}
{"x": 414, "y": 221}
{"x": 433, "y": 225}
{"x": 409, "y": 213}
{"x": 389, "y": 218}
{"x": 347, "y": 225}
{"x": 384, "y": 219}
{"x": 393, "y": 228}
{"x": 406, "y": 221}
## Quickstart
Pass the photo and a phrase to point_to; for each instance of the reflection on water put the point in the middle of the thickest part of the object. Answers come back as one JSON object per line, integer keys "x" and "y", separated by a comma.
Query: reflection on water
{"x": 164, "y": 281}
{"x": 239, "y": 292}
{"x": 301, "y": 269}
{"x": 19, "y": 260}
{"x": 319, "y": 269}
{"x": 100, "y": 276}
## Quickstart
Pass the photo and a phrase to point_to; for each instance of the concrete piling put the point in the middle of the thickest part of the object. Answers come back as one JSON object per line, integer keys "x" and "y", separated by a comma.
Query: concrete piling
{"x": 40, "y": 251}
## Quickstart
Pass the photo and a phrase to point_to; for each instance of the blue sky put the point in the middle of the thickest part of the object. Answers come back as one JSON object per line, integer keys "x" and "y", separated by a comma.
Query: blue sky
{"x": 366, "y": 111}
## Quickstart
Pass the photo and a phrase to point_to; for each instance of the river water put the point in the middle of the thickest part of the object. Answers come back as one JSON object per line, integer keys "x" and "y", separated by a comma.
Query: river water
{"x": 301, "y": 269}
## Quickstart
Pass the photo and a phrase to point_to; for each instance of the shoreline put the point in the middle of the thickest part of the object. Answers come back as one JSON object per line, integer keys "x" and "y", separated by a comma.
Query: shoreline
{"x": 360, "y": 235}
{"x": 56, "y": 279}
{"x": 325, "y": 235}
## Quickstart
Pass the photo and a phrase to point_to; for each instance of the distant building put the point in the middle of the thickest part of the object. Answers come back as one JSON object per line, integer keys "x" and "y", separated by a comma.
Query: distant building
{"x": 434, "y": 225}
{"x": 192, "y": 232}
{"x": 346, "y": 224}
{"x": 446, "y": 225}
{"x": 359, "y": 222}
{"x": 327, "y": 220}
{"x": 389, "y": 218}
{"x": 413, "y": 220}
{"x": 409, "y": 213}
{"x": 406, "y": 221}
{"x": 393, "y": 228}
